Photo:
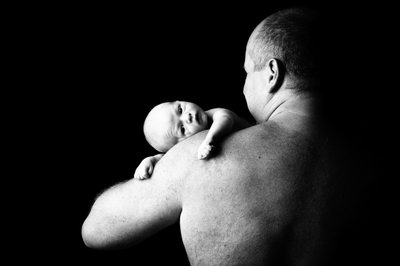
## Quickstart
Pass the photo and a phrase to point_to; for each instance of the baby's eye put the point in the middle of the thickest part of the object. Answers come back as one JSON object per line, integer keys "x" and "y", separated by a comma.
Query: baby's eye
{"x": 180, "y": 109}
{"x": 183, "y": 130}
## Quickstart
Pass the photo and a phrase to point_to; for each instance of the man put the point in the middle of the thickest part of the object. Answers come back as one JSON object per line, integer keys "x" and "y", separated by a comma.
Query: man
{"x": 266, "y": 197}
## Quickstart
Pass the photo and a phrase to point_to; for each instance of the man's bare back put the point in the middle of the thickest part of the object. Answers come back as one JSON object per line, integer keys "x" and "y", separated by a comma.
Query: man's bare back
{"x": 249, "y": 197}
{"x": 260, "y": 201}
{"x": 266, "y": 195}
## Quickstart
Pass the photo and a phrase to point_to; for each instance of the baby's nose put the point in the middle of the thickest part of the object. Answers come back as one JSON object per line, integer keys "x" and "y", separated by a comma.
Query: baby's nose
{"x": 188, "y": 118}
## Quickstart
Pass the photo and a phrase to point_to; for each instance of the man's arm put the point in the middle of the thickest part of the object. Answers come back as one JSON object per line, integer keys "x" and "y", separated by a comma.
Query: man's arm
{"x": 129, "y": 212}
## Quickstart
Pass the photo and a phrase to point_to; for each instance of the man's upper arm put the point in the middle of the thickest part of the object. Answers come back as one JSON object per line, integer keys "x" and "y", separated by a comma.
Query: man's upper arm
{"x": 131, "y": 211}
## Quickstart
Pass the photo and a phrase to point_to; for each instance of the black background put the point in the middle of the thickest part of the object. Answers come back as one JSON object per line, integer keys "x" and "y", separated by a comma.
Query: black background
{"x": 90, "y": 74}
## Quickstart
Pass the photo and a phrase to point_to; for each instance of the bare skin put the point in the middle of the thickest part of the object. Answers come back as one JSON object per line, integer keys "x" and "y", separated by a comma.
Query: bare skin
{"x": 245, "y": 198}
{"x": 265, "y": 198}
{"x": 180, "y": 126}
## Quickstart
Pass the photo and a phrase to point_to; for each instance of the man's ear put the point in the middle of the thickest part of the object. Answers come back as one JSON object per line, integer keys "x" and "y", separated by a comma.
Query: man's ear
{"x": 275, "y": 74}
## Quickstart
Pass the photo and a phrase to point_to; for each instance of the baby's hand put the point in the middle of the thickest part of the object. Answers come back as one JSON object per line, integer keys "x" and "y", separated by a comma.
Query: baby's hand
{"x": 145, "y": 169}
{"x": 204, "y": 150}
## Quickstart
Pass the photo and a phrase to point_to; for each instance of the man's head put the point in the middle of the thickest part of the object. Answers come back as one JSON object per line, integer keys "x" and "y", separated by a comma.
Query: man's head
{"x": 171, "y": 122}
{"x": 283, "y": 49}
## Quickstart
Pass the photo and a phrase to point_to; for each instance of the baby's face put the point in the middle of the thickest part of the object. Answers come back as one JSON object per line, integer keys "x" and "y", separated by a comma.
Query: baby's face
{"x": 177, "y": 121}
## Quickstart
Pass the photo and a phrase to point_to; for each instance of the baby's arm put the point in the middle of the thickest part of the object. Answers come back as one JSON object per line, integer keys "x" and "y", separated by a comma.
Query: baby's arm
{"x": 224, "y": 122}
{"x": 145, "y": 168}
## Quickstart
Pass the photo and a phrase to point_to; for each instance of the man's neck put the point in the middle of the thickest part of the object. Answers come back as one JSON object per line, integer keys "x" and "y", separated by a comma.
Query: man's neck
{"x": 294, "y": 111}
{"x": 293, "y": 103}
{"x": 287, "y": 100}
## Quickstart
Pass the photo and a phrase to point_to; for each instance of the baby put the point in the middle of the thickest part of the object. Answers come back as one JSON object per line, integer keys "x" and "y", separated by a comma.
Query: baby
{"x": 171, "y": 122}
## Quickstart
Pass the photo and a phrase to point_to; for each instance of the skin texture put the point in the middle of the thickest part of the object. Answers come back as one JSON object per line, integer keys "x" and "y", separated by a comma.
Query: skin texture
{"x": 247, "y": 198}
{"x": 171, "y": 122}
{"x": 265, "y": 198}
{"x": 243, "y": 210}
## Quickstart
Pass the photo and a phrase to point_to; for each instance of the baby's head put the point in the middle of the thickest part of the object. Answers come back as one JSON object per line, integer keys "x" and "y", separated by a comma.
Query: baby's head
{"x": 171, "y": 122}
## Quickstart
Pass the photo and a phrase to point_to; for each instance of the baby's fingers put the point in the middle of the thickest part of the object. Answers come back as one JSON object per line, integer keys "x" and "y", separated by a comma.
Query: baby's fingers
{"x": 136, "y": 175}
{"x": 204, "y": 151}
{"x": 141, "y": 173}
{"x": 149, "y": 171}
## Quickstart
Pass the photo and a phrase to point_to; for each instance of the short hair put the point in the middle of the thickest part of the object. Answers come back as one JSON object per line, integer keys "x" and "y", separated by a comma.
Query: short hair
{"x": 291, "y": 36}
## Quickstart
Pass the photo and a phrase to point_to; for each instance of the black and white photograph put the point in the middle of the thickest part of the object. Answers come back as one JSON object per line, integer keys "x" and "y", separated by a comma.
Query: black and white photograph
{"x": 245, "y": 133}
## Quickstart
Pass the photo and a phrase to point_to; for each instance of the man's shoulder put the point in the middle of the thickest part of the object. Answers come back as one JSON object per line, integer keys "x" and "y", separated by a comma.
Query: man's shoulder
{"x": 260, "y": 141}
{"x": 257, "y": 133}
